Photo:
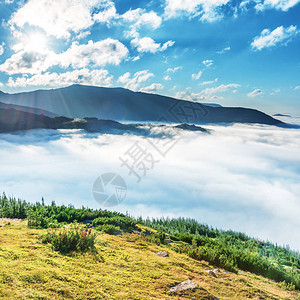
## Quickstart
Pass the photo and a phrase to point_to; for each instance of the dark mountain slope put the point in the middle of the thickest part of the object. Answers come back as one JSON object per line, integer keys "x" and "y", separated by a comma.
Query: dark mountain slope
{"x": 32, "y": 110}
{"x": 15, "y": 120}
{"x": 120, "y": 104}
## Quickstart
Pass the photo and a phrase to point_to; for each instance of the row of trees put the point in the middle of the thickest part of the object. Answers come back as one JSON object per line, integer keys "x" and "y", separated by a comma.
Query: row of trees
{"x": 41, "y": 215}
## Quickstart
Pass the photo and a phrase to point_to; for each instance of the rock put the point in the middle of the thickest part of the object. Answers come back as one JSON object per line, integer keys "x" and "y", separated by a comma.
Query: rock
{"x": 162, "y": 254}
{"x": 216, "y": 271}
{"x": 211, "y": 273}
{"x": 185, "y": 285}
{"x": 136, "y": 232}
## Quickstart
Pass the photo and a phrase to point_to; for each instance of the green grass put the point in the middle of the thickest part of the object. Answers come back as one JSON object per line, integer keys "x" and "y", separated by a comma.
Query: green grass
{"x": 121, "y": 267}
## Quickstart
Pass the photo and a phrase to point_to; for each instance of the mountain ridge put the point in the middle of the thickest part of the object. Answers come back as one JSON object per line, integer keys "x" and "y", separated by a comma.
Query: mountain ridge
{"x": 78, "y": 101}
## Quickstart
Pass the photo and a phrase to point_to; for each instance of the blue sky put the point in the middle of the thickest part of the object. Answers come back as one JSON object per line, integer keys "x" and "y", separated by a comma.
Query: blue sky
{"x": 236, "y": 53}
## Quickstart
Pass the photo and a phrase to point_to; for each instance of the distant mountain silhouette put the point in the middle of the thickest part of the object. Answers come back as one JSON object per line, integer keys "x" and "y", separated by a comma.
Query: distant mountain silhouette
{"x": 281, "y": 115}
{"x": 32, "y": 110}
{"x": 120, "y": 104}
{"x": 15, "y": 120}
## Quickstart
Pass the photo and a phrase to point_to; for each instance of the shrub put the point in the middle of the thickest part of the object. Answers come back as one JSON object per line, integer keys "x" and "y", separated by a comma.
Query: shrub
{"x": 71, "y": 239}
{"x": 124, "y": 223}
{"x": 109, "y": 229}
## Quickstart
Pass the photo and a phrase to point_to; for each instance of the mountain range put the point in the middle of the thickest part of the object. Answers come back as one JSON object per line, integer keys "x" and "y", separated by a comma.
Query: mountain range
{"x": 119, "y": 104}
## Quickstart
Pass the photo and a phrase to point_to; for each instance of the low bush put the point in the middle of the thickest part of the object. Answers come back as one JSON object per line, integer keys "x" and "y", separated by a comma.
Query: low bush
{"x": 125, "y": 224}
{"x": 109, "y": 229}
{"x": 71, "y": 239}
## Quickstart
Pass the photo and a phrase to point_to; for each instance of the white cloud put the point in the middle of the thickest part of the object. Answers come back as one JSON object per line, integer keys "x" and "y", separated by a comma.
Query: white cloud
{"x": 154, "y": 87}
{"x": 275, "y": 92}
{"x": 140, "y": 17}
{"x": 186, "y": 95}
{"x": 197, "y": 76}
{"x": 30, "y": 62}
{"x": 133, "y": 83}
{"x": 124, "y": 78}
{"x": 208, "y": 63}
{"x": 83, "y": 76}
{"x": 207, "y": 9}
{"x": 297, "y": 87}
{"x": 2, "y": 48}
{"x": 147, "y": 44}
{"x": 136, "y": 58}
{"x": 167, "y": 78}
{"x": 220, "y": 89}
{"x": 99, "y": 53}
{"x": 283, "y": 5}
{"x": 253, "y": 178}
{"x": 56, "y": 17}
{"x": 224, "y": 50}
{"x": 255, "y": 93}
{"x": 173, "y": 70}
{"x": 107, "y": 14}
{"x": 280, "y": 35}
{"x": 208, "y": 93}
{"x": 209, "y": 82}
{"x": 108, "y": 51}
{"x": 82, "y": 35}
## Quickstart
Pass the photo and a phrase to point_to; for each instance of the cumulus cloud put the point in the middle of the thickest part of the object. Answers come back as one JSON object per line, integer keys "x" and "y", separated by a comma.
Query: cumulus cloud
{"x": 140, "y": 17}
{"x": 167, "y": 78}
{"x": 107, "y": 13}
{"x": 108, "y": 51}
{"x": 31, "y": 62}
{"x": 279, "y": 36}
{"x": 154, "y": 87}
{"x": 197, "y": 76}
{"x": 147, "y": 44}
{"x": 208, "y": 63}
{"x": 283, "y": 5}
{"x": 83, "y": 76}
{"x": 133, "y": 82}
{"x": 206, "y": 9}
{"x": 253, "y": 178}
{"x": 47, "y": 15}
{"x": 255, "y": 93}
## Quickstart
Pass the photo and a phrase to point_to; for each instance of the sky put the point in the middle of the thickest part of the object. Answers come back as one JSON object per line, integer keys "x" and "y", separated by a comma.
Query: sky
{"x": 236, "y": 53}
{"x": 239, "y": 177}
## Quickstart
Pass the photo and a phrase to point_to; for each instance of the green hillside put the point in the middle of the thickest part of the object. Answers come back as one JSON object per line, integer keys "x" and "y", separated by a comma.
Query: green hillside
{"x": 60, "y": 252}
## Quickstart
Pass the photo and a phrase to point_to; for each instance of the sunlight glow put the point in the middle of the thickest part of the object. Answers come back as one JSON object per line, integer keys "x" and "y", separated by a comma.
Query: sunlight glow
{"x": 35, "y": 42}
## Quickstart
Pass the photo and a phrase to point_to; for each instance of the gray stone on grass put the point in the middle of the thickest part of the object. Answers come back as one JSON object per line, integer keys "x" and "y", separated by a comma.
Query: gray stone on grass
{"x": 162, "y": 254}
{"x": 184, "y": 285}
{"x": 211, "y": 273}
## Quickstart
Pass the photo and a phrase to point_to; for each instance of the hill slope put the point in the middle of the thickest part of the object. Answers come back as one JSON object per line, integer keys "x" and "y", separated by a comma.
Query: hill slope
{"x": 120, "y": 104}
{"x": 124, "y": 267}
